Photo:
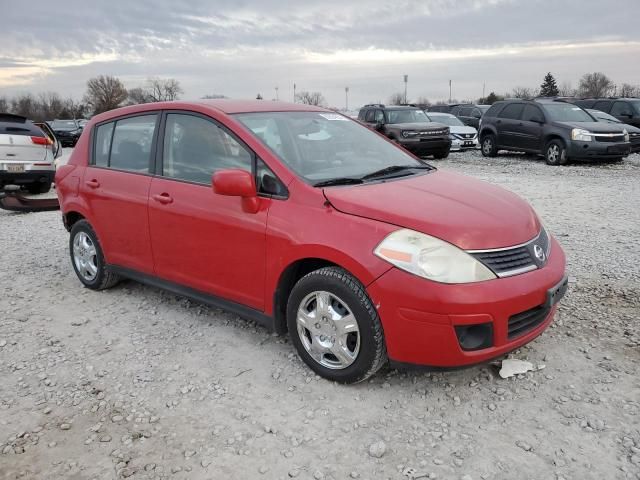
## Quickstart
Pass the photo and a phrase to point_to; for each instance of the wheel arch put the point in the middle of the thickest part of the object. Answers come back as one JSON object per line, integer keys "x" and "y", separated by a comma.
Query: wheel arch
{"x": 70, "y": 218}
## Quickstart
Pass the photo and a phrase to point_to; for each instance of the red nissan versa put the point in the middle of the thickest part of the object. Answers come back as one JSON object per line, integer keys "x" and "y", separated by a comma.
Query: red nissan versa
{"x": 304, "y": 220}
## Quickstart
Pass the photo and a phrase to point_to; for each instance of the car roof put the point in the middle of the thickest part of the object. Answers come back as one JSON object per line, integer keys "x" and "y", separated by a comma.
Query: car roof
{"x": 441, "y": 114}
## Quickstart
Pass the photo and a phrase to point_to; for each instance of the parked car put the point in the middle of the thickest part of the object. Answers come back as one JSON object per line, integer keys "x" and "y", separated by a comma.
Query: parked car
{"x": 26, "y": 154}
{"x": 470, "y": 114}
{"x": 558, "y": 130}
{"x": 442, "y": 108}
{"x": 627, "y": 110}
{"x": 67, "y": 131}
{"x": 634, "y": 132}
{"x": 308, "y": 222}
{"x": 409, "y": 127}
{"x": 462, "y": 136}
{"x": 56, "y": 146}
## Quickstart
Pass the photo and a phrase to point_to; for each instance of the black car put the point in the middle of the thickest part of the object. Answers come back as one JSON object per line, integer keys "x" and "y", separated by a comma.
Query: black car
{"x": 627, "y": 110}
{"x": 442, "y": 108}
{"x": 409, "y": 127}
{"x": 67, "y": 131}
{"x": 470, "y": 114}
{"x": 558, "y": 130}
{"x": 634, "y": 132}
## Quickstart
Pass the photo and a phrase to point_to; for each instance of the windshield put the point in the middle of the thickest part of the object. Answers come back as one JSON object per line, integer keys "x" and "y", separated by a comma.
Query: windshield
{"x": 566, "y": 112}
{"x": 603, "y": 117}
{"x": 406, "y": 116}
{"x": 64, "y": 124}
{"x": 321, "y": 146}
{"x": 446, "y": 120}
{"x": 483, "y": 108}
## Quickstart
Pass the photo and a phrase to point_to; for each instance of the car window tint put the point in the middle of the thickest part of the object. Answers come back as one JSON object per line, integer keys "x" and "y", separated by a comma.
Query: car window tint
{"x": 621, "y": 108}
{"x": 370, "y": 116}
{"x": 102, "y": 145}
{"x": 131, "y": 145}
{"x": 530, "y": 112}
{"x": 603, "y": 106}
{"x": 512, "y": 111}
{"x": 379, "y": 118}
{"x": 194, "y": 148}
{"x": 465, "y": 112}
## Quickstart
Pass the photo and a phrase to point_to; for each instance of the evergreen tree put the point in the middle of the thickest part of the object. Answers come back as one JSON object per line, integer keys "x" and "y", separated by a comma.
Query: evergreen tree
{"x": 549, "y": 88}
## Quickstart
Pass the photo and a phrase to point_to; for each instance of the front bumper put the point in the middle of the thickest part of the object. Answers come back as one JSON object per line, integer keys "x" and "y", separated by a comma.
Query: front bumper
{"x": 578, "y": 150}
{"x": 26, "y": 178}
{"x": 426, "y": 146}
{"x": 464, "y": 144}
{"x": 419, "y": 316}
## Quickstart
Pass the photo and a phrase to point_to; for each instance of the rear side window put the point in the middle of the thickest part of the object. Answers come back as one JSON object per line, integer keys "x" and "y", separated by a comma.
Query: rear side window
{"x": 370, "y": 116}
{"x": 194, "y": 148}
{"x": 602, "y": 106}
{"x": 493, "y": 110}
{"x": 512, "y": 111}
{"x": 621, "y": 108}
{"x": 103, "y": 145}
{"x": 465, "y": 112}
{"x": 456, "y": 111}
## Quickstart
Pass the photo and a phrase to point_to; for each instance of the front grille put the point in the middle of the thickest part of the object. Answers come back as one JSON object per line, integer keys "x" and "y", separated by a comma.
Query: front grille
{"x": 607, "y": 139}
{"x": 505, "y": 262}
{"x": 523, "y": 322}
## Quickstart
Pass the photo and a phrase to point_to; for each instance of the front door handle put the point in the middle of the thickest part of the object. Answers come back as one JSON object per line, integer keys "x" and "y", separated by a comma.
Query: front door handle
{"x": 163, "y": 198}
{"x": 93, "y": 183}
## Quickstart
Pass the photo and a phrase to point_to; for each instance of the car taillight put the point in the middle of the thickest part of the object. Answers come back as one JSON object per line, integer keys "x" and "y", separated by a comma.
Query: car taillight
{"x": 41, "y": 141}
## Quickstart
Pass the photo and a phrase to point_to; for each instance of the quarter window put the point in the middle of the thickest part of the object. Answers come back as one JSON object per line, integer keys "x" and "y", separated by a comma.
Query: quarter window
{"x": 194, "y": 148}
{"x": 512, "y": 111}
{"x": 103, "y": 144}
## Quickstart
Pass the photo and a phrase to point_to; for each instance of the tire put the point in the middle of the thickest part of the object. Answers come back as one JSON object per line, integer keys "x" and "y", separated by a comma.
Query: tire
{"x": 441, "y": 155}
{"x": 87, "y": 258}
{"x": 555, "y": 153}
{"x": 350, "y": 326}
{"x": 39, "y": 187}
{"x": 488, "y": 145}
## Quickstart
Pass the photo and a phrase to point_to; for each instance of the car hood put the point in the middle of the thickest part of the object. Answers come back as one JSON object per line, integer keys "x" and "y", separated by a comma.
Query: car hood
{"x": 462, "y": 129}
{"x": 595, "y": 127}
{"x": 468, "y": 213}
{"x": 417, "y": 126}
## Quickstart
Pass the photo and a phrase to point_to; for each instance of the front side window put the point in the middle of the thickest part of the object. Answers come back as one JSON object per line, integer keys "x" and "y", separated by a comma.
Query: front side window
{"x": 512, "y": 111}
{"x": 194, "y": 148}
{"x": 532, "y": 113}
{"x": 322, "y": 146}
{"x": 566, "y": 112}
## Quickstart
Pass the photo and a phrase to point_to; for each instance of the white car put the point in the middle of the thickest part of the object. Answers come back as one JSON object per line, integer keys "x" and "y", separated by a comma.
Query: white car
{"x": 27, "y": 154}
{"x": 463, "y": 137}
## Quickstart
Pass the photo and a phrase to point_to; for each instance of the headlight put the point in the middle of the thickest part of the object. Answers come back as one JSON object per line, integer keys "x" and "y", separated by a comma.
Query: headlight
{"x": 580, "y": 134}
{"x": 431, "y": 258}
{"x": 409, "y": 133}
{"x": 626, "y": 135}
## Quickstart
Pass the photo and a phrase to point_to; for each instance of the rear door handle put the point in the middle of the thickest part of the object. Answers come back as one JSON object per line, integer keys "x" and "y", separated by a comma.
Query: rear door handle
{"x": 93, "y": 183}
{"x": 163, "y": 198}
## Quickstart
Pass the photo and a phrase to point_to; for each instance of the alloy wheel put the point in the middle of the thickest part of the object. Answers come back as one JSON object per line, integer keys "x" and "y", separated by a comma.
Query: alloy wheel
{"x": 85, "y": 256}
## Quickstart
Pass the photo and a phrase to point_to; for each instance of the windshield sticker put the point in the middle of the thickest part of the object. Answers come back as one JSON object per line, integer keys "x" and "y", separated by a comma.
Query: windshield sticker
{"x": 334, "y": 116}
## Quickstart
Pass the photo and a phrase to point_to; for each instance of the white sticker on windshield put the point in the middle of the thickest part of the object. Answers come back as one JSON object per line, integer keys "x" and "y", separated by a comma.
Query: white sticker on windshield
{"x": 334, "y": 116}
{"x": 576, "y": 108}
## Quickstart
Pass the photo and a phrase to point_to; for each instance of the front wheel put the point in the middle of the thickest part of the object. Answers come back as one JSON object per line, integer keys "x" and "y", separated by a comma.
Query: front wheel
{"x": 488, "y": 146}
{"x": 335, "y": 327}
{"x": 555, "y": 153}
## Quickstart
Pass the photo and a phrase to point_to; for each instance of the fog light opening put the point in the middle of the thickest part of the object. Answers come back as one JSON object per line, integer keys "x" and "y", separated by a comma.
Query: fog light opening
{"x": 475, "y": 337}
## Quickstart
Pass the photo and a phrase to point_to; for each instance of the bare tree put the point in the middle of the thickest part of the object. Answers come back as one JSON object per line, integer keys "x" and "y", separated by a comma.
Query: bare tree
{"x": 105, "y": 93}
{"x": 26, "y": 105}
{"x": 311, "y": 98}
{"x": 396, "y": 99}
{"x": 524, "y": 92}
{"x": 163, "y": 90}
{"x": 4, "y": 105}
{"x": 628, "y": 90}
{"x": 137, "y": 96}
{"x": 567, "y": 90}
{"x": 421, "y": 100}
{"x": 595, "y": 84}
{"x": 213, "y": 96}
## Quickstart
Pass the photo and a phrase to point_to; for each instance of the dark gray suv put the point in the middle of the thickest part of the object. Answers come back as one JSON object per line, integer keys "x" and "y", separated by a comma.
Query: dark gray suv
{"x": 558, "y": 130}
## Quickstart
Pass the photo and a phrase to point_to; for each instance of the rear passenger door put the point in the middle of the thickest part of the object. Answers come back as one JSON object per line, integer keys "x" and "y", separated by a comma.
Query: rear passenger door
{"x": 116, "y": 187}
{"x": 201, "y": 240}
{"x": 507, "y": 125}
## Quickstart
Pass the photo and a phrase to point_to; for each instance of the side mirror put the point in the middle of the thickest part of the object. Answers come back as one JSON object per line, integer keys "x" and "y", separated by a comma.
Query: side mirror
{"x": 237, "y": 183}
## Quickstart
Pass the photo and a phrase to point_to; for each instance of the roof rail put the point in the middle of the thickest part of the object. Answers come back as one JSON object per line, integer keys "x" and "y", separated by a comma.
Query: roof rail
{"x": 375, "y": 105}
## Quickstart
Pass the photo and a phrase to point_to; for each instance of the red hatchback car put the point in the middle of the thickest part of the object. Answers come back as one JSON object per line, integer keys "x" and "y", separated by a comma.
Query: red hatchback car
{"x": 308, "y": 222}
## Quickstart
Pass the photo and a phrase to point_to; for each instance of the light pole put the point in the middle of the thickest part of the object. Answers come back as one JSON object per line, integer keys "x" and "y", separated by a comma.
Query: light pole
{"x": 406, "y": 78}
{"x": 346, "y": 98}
{"x": 277, "y": 98}
{"x": 449, "y": 91}
{"x": 294, "y": 93}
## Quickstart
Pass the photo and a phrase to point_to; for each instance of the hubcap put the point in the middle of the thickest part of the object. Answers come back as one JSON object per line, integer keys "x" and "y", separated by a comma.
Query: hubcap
{"x": 553, "y": 153}
{"x": 85, "y": 256}
{"x": 328, "y": 330}
{"x": 487, "y": 145}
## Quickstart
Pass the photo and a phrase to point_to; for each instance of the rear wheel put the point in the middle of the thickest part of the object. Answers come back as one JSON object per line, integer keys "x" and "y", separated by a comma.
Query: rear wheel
{"x": 335, "y": 327}
{"x": 87, "y": 258}
{"x": 39, "y": 187}
{"x": 555, "y": 153}
{"x": 488, "y": 145}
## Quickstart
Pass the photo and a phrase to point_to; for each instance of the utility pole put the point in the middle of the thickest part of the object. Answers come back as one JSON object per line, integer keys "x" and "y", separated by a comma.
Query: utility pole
{"x": 449, "y": 91}
{"x": 346, "y": 98}
{"x": 406, "y": 78}
{"x": 294, "y": 93}
{"x": 484, "y": 84}
{"x": 277, "y": 98}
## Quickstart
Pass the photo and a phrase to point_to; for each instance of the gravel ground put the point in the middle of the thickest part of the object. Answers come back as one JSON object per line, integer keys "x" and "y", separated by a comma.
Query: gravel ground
{"x": 135, "y": 382}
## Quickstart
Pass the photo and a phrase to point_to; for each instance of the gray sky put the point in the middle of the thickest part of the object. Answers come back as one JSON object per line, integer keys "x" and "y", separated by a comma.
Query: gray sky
{"x": 242, "y": 47}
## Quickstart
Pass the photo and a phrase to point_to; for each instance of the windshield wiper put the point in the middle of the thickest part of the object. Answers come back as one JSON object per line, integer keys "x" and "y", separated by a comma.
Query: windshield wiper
{"x": 338, "y": 181}
{"x": 394, "y": 169}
